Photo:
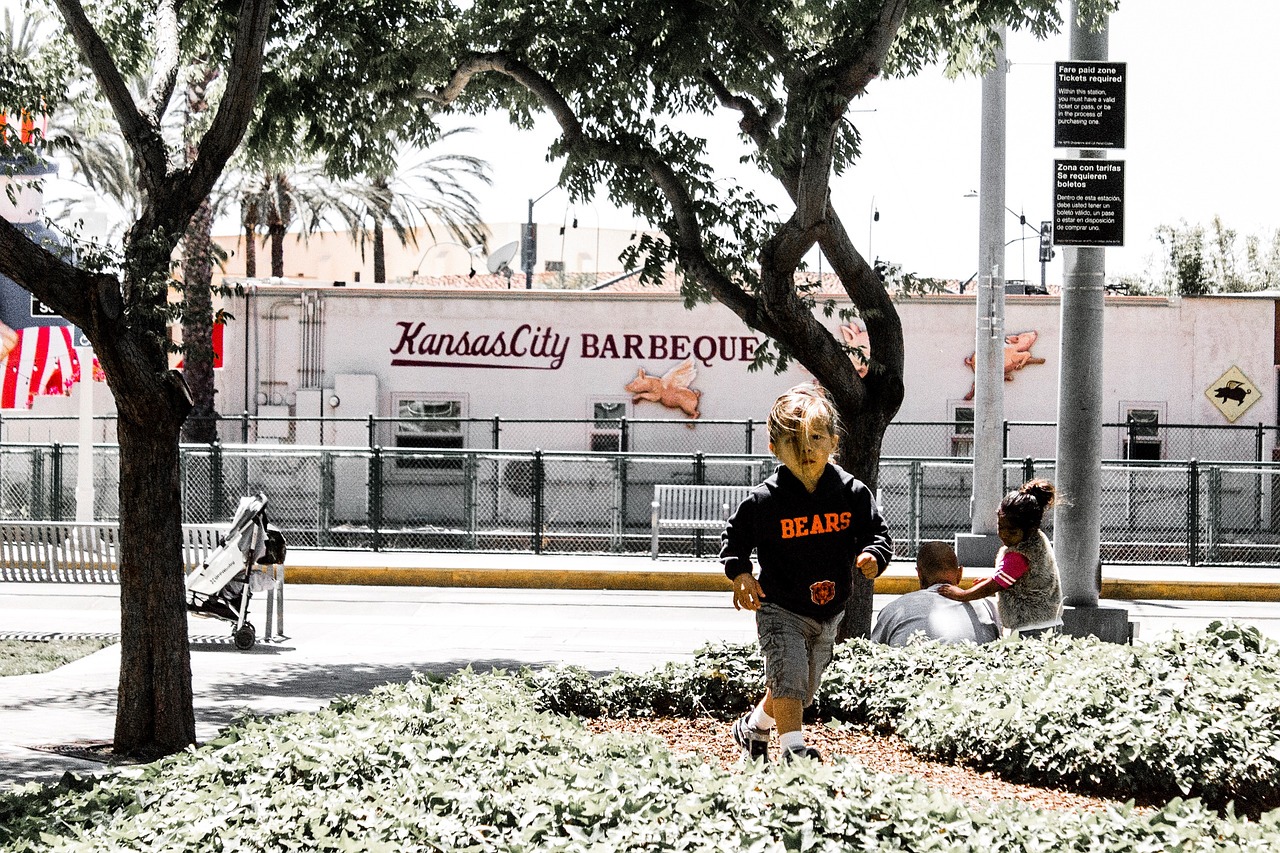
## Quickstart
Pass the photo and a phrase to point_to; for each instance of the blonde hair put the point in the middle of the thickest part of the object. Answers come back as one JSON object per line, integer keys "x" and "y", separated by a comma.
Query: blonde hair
{"x": 800, "y": 412}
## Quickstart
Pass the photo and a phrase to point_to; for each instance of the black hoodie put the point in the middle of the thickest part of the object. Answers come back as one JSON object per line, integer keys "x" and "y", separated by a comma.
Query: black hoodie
{"x": 807, "y": 543}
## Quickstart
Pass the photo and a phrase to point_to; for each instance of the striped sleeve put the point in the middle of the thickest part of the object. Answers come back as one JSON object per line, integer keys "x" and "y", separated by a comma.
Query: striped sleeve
{"x": 1012, "y": 567}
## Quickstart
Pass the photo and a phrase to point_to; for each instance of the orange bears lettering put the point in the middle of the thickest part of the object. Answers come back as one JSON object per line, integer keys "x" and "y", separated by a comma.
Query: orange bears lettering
{"x": 831, "y": 522}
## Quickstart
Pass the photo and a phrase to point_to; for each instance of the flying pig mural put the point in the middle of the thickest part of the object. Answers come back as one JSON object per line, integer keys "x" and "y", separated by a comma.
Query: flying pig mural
{"x": 1017, "y": 355}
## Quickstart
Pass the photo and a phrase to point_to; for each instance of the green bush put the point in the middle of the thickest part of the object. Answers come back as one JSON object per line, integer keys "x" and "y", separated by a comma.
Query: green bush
{"x": 1193, "y": 715}
{"x": 470, "y": 765}
{"x": 723, "y": 680}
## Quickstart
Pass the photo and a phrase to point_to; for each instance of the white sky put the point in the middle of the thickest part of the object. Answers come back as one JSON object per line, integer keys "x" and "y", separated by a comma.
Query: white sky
{"x": 1201, "y": 141}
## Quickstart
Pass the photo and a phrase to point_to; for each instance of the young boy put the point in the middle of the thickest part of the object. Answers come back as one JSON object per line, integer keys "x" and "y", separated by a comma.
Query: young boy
{"x": 810, "y": 524}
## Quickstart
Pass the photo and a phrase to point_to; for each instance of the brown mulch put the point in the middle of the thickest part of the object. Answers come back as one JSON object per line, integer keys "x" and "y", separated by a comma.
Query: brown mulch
{"x": 882, "y": 753}
{"x": 707, "y": 737}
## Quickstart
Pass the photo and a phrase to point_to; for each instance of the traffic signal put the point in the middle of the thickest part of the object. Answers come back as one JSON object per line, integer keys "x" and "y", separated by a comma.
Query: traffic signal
{"x": 1046, "y": 242}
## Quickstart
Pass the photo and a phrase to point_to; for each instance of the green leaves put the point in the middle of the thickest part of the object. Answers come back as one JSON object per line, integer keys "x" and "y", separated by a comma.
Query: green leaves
{"x": 470, "y": 764}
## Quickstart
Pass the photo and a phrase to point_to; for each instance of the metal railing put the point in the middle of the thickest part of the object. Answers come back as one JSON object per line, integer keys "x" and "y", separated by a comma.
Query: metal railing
{"x": 1178, "y": 512}
{"x": 1208, "y": 442}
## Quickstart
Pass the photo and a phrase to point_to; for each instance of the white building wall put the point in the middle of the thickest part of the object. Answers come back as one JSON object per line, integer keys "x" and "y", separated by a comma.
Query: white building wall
{"x": 574, "y": 348}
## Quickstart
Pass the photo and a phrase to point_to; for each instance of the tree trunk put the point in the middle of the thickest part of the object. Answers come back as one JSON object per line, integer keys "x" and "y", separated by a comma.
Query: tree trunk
{"x": 379, "y": 252}
{"x": 250, "y": 253}
{"x": 276, "y": 233}
{"x": 154, "y": 714}
{"x": 860, "y": 454}
{"x": 197, "y": 326}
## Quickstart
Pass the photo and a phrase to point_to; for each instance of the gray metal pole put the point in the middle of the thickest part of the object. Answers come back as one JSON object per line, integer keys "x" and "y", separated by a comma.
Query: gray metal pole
{"x": 1078, "y": 518}
{"x": 988, "y": 366}
{"x": 527, "y": 257}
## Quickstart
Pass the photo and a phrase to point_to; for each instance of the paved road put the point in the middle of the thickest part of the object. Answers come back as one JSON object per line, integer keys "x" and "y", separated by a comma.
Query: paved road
{"x": 347, "y": 639}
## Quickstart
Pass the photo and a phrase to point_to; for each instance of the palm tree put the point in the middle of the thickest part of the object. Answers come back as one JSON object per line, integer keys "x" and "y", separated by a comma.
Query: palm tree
{"x": 275, "y": 197}
{"x": 432, "y": 194}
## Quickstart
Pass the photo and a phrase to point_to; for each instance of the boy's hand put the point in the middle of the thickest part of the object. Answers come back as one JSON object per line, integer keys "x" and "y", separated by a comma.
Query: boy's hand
{"x": 868, "y": 566}
{"x": 746, "y": 592}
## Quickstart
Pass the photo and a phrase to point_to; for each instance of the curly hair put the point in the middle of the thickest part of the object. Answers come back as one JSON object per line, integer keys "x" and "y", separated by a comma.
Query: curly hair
{"x": 800, "y": 412}
{"x": 1024, "y": 507}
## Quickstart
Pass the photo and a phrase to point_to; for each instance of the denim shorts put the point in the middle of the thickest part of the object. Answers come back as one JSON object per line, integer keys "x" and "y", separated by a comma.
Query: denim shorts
{"x": 796, "y": 650}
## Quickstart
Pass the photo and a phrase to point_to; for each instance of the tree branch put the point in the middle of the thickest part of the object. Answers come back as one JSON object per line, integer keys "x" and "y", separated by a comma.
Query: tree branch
{"x": 179, "y": 197}
{"x": 854, "y": 76}
{"x": 58, "y": 284}
{"x": 688, "y": 231}
{"x": 165, "y": 68}
{"x": 143, "y": 136}
{"x": 754, "y": 124}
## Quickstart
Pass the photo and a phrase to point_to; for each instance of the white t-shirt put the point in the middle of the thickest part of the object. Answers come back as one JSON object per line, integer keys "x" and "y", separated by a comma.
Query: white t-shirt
{"x": 926, "y": 611}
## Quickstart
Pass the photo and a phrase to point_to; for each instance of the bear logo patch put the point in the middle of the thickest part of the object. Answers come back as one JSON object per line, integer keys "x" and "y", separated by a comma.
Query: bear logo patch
{"x": 822, "y": 591}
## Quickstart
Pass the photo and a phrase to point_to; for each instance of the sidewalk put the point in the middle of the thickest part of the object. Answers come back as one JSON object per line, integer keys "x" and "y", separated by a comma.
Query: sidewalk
{"x": 354, "y": 620}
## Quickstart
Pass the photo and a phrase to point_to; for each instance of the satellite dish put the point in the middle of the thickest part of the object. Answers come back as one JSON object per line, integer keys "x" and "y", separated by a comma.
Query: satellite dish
{"x": 502, "y": 256}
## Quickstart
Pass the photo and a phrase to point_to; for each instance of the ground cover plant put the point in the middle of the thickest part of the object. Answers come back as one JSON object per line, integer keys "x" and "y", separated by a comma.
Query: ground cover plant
{"x": 1192, "y": 715}
{"x": 471, "y": 764}
{"x": 23, "y": 657}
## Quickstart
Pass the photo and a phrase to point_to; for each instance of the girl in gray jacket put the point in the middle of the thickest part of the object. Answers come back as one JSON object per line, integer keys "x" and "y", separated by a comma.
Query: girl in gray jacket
{"x": 1026, "y": 577}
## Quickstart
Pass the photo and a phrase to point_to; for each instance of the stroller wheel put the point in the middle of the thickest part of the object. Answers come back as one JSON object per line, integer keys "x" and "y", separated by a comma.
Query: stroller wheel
{"x": 245, "y": 637}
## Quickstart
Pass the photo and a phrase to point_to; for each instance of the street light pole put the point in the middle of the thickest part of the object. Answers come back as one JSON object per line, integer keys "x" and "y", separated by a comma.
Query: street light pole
{"x": 472, "y": 252}
{"x": 979, "y": 546}
{"x": 529, "y": 246}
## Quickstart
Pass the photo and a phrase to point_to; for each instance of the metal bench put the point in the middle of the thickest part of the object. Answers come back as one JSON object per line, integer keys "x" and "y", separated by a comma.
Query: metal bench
{"x": 89, "y": 552}
{"x": 698, "y": 508}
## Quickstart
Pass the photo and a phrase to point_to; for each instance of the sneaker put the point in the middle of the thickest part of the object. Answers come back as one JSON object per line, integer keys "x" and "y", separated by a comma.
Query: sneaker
{"x": 753, "y": 742}
{"x": 795, "y": 753}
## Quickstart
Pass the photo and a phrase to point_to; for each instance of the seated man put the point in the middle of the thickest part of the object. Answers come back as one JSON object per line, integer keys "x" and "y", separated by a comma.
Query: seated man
{"x": 927, "y": 612}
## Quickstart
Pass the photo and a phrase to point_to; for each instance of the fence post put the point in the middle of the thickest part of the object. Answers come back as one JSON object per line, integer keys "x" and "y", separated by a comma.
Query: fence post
{"x": 1193, "y": 512}
{"x": 624, "y": 437}
{"x": 244, "y": 426}
{"x": 1028, "y": 469}
{"x": 497, "y": 430}
{"x": 1004, "y": 441}
{"x": 1214, "y": 525}
{"x": 375, "y": 494}
{"x": 1257, "y": 443}
{"x": 618, "y": 500}
{"x": 538, "y": 498}
{"x": 471, "y": 491}
{"x": 373, "y": 438}
{"x": 55, "y": 497}
{"x": 325, "y": 537}
{"x": 915, "y": 503}
{"x": 216, "y": 484}
{"x": 700, "y": 479}
{"x": 37, "y": 483}
{"x": 751, "y": 435}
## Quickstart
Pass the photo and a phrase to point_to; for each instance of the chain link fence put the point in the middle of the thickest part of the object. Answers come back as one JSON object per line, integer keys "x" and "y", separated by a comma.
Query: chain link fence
{"x": 1135, "y": 439}
{"x": 1189, "y": 513}
{"x": 1150, "y": 441}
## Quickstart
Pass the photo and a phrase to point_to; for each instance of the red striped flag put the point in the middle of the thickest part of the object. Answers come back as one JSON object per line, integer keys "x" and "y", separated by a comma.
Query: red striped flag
{"x": 40, "y": 360}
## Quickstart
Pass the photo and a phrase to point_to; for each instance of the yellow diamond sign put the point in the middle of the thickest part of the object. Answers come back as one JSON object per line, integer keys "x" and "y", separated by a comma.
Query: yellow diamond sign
{"x": 1233, "y": 394}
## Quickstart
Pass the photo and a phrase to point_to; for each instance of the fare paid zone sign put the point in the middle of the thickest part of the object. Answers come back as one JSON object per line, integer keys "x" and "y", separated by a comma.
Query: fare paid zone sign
{"x": 1089, "y": 106}
{"x": 1088, "y": 202}
{"x": 1088, "y": 193}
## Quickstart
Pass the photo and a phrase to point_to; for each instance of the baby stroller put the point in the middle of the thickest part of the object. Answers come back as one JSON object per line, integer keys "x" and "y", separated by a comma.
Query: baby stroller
{"x": 222, "y": 586}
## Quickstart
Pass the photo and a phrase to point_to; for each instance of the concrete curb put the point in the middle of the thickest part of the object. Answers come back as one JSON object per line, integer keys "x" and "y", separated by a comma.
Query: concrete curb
{"x": 650, "y": 576}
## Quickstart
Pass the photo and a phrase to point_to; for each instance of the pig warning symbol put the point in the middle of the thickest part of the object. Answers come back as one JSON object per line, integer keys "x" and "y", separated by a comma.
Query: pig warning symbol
{"x": 1233, "y": 394}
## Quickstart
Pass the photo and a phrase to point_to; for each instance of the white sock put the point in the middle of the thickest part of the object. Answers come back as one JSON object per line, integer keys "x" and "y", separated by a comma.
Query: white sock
{"x": 760, "y": 720}
{"x": 791, "y": 740}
